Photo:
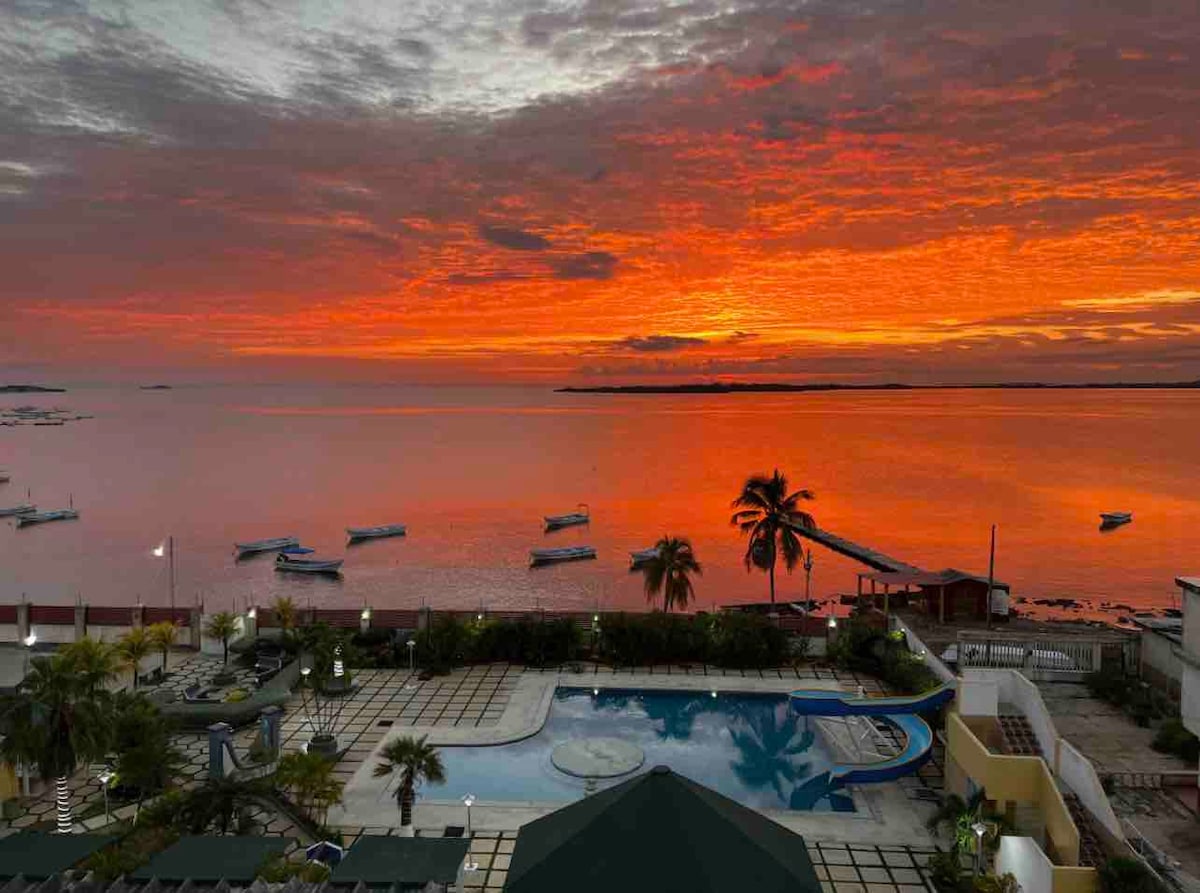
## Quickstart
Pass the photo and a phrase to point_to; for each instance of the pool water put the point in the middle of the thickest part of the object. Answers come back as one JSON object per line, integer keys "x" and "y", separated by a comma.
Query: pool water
{"x": 749, "y": 747}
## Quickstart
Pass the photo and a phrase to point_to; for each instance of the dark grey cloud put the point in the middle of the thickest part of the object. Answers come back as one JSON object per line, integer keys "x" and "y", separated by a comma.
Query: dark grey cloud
{"x": 660, "y": 343}
{"x": 586, "y": 265}
{"x": 511, "y": 237}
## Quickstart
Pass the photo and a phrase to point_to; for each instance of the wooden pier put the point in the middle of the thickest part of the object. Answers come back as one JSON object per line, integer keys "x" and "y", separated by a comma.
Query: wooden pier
{"x": 861, "y": 554}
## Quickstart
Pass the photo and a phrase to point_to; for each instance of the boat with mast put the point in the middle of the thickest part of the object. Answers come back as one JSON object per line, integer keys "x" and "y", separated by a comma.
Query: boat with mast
{"x": 25, "y": 508}
{"x": 29, "y": 518}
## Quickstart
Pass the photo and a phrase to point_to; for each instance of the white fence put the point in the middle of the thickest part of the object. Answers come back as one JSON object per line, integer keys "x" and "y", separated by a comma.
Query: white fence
{"x": 1046, "y": 657}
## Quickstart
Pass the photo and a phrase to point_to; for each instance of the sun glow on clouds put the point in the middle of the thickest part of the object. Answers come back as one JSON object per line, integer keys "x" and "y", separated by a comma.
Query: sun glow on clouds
{"x": 556, "y": 190}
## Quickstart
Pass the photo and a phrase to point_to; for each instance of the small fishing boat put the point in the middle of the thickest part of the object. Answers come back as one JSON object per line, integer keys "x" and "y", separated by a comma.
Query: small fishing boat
{"x": 268, "y": 545}
{"x": 308, "y": 565}
{"x": 1116, "y": 517}
{"x": 24, "y": 520}
{"x": 371, "y": 533}
{"x": 25, "y": 508}
{"x": 297, "y": 550}
{"x": 4, "y": 477}
{"x": 563, "y": 553}
{"x": 642, "y": 556}
{"x": 571, "y": 519}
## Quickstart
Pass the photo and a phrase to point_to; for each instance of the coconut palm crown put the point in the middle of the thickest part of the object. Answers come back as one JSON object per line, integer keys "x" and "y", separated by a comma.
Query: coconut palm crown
{"x": 416, "y": 761}
{"x": 669, "y": 573}
{"x": 769, "y": 515}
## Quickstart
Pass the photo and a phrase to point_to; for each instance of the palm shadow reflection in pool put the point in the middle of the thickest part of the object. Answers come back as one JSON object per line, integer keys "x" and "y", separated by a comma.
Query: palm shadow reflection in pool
{"x": 749, "y": 747}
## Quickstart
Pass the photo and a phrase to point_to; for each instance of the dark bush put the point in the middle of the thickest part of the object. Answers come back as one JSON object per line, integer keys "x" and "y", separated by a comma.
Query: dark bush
{"x": 1135, "y": 697}
{"x": 866, "y": 649}
{"x": 1173, "y": 738}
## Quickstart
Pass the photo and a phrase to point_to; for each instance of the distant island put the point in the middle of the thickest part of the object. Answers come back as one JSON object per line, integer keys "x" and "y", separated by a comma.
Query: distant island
{"x": 780, "y": 387}
{"x": 156, "y": 387}
{"x": 29, "y": 389}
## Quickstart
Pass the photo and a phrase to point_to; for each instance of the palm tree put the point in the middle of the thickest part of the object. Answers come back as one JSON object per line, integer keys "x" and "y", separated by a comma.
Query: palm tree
{"x": 95, "y": 663}
{"x": 54, "y": 722}
{"x": 769, "y": 515}
{"x": 162, "y": 637}
{"x": 284, "y": 610}
{"x": 223, "y": 626}
{"x": 417, "y": 762}
{"x": 141, "y": 739}
{"x": 134, "y": 647}
{"x": 220, "y": 803}
{"x": 668, "y": 572}
{"x": 309, "y": 777}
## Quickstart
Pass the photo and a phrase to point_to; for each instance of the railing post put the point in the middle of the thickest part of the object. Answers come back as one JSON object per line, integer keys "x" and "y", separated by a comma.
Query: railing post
{"x": 22, "y": 620}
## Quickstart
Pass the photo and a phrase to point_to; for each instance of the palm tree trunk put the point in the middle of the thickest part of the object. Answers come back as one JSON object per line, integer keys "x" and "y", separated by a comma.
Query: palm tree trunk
{"x": 225, "y": 647}
{"x": 771, "y": 576}
{"x": 62, "y": 805}
{"x": 164, "y": 666}
{"x": 406, "y": 810}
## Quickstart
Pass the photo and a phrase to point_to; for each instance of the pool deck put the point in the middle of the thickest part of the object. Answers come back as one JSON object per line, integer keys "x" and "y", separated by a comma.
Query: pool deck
{"x": 886, "y": 814}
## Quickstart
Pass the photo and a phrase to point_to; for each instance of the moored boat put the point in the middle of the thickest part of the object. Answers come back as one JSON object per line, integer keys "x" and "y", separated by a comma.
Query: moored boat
{"x": 24, "y": 520}
{"x": 1116, "y": 517}
{"x": 297, "y": 550}
{"x": 370, "y": 533}
{"x": 308, "y": 565}
{"x": 571, "y": 519}
{"x": 563, "y": 553}
{"x": 268, "y": 545}
{"x": 642, "y": 556}
{"x": 4, "y": 477}
{"x": 25, "y": 508}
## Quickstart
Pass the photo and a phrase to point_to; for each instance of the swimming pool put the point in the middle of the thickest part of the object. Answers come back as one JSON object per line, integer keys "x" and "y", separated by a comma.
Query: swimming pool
{"x": 750, "y": 747}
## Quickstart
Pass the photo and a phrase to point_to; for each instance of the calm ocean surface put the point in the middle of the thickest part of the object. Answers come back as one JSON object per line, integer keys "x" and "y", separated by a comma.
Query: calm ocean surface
{"x": 920, "y": 476}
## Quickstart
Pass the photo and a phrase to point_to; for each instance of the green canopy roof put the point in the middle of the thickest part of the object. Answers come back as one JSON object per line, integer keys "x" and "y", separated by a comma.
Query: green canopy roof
{"x": 380, "y": 861}
{"x": 659, "y": 831}
{"x": 210, "y": 859}
{"x": 36, "y": 856}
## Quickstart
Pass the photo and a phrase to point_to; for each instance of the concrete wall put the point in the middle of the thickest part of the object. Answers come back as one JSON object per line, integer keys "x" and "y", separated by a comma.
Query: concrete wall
{"x": 1013, "y": 779}
{"x": 1023, "y": 859}
{"x": 8, "y": 632}
{"x": 1161, "y": 665}
{"x": 1189, "y": 701}
{"x": 1071, "y": 767}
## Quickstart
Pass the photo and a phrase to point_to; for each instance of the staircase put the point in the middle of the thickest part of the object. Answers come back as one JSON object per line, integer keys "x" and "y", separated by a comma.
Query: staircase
{"x": 1019, "y": 739}
{"x": 1091, "y": 852}
{"x": 1018, "y": 736}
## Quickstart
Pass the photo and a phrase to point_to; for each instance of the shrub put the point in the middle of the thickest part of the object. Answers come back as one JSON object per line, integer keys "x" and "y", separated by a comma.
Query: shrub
{"x": 1141, "y": 702}
{"x": 278, "y": 870}
{"x": 1173, "y": 738}
{"x": 866, "y": 649}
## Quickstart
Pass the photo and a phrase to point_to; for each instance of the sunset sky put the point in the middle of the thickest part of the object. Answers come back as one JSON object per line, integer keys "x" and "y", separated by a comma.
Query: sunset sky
{"x": 609, "y": 192}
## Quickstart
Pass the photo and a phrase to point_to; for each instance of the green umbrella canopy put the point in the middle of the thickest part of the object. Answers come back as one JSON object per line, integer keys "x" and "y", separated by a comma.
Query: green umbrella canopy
{"x": 658, "y": 832}
{"x": 35, "y": 855}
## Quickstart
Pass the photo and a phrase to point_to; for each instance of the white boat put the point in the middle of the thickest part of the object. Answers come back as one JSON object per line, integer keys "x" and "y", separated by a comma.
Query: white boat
{"x": 370, "y": 533}
{"x": 271, "y": 545}
{"x": 24, "y": 508}
{"x": 24, "y": 520}
{"x": 308, "y": 565}
{"x": 571, "y": 519}
{"x": 1116, "y": 517}
{"x": 642, "y": 556}
{"x": 562, "y": 553}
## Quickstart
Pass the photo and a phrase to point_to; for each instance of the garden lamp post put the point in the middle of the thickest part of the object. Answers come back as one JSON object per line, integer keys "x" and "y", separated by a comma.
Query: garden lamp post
{"x": 105, "y": 778}
{"x": 29, "y": 641}
{"x": 412, "y": 655}
{"x": 469, "y": 801}
{"x": 980, "y": 829}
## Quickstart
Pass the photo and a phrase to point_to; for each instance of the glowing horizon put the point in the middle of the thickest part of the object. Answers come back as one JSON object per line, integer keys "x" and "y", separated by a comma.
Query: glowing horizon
{"x": 583, "y": 192}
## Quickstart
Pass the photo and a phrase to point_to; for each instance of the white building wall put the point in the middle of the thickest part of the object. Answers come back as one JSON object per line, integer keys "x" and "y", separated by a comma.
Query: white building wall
{"x": 1189, "y": 699}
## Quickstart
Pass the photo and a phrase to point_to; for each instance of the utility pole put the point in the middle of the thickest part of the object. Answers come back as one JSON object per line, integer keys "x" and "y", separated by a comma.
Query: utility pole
{"x": 991, "y": 574}
{"x": 171, "y": 572}
{"x": 807, "y": 561}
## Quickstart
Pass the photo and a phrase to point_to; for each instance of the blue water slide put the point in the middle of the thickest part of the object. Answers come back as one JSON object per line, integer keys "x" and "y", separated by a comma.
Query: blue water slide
{"x": 899, "y": 712}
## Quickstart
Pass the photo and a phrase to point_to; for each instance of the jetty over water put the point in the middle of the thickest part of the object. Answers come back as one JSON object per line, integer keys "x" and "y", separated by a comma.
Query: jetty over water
{"x": 862, "y": 554}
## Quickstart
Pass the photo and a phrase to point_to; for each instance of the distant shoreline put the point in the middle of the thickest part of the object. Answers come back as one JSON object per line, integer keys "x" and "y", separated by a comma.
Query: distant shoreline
{"x": 779, "y": 387}
{"x": 29, "y": 389}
